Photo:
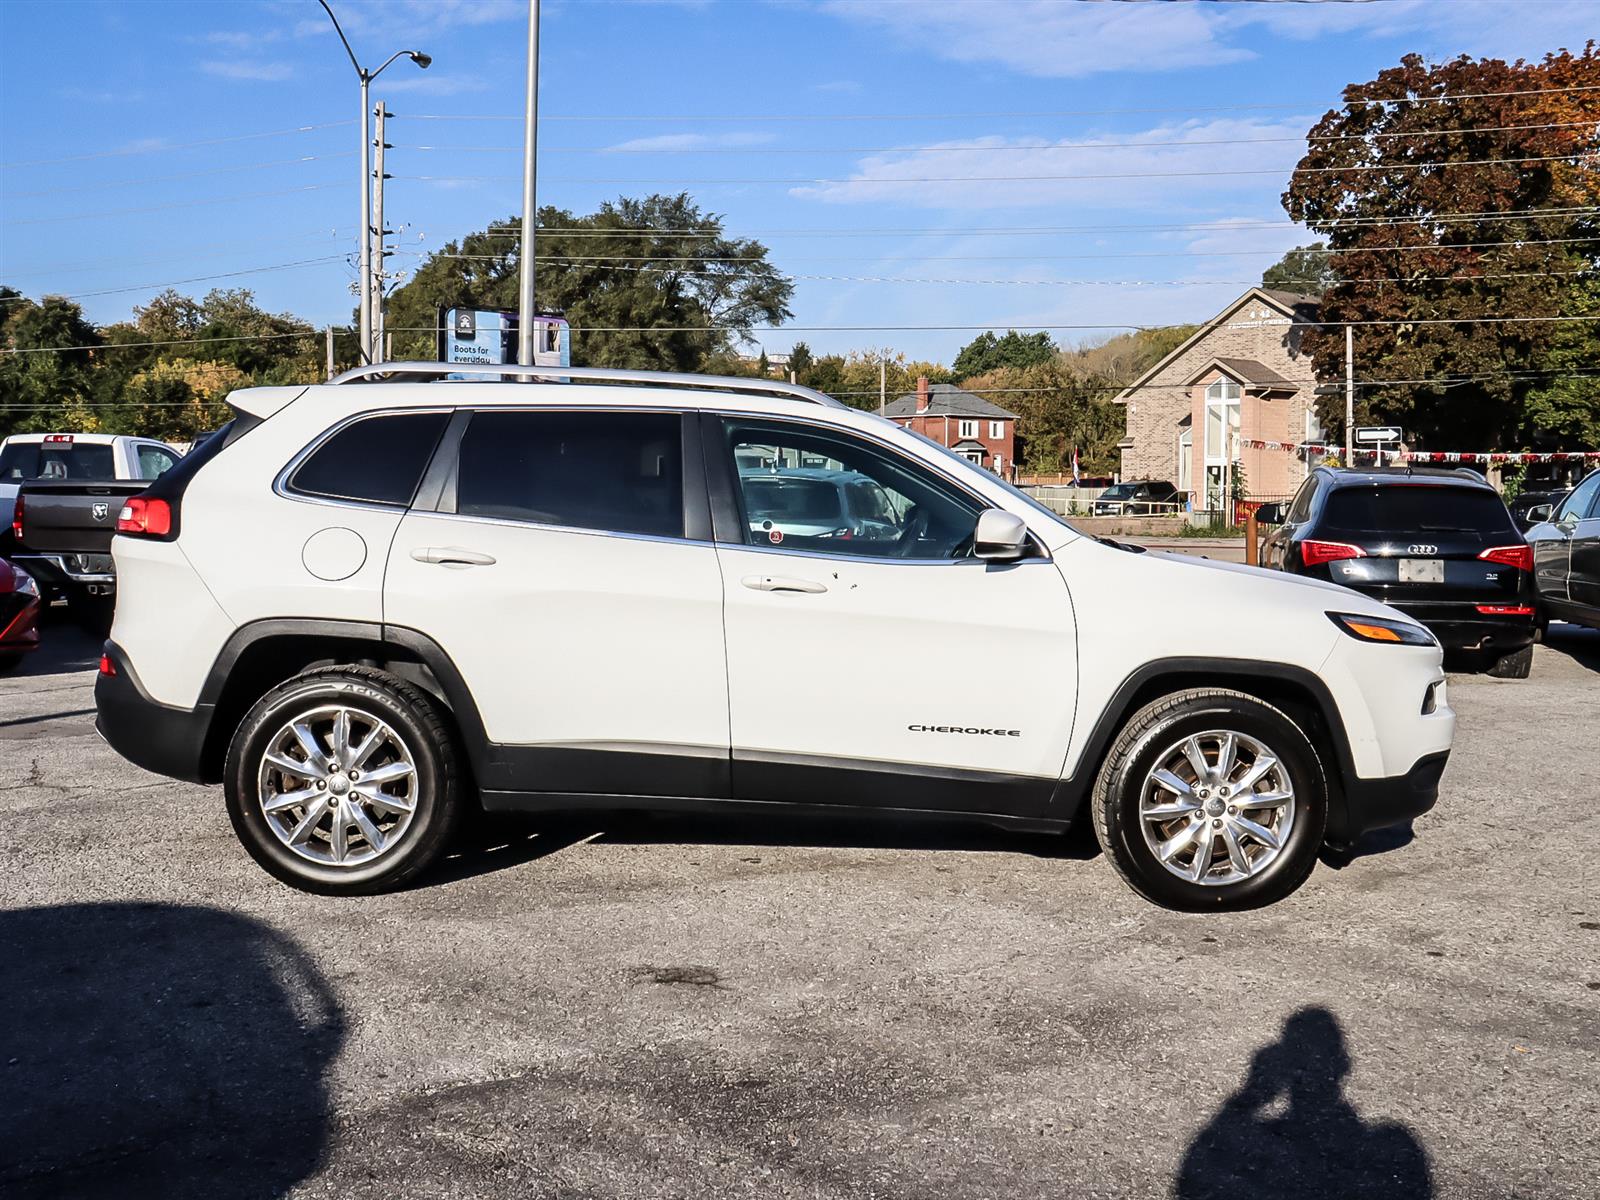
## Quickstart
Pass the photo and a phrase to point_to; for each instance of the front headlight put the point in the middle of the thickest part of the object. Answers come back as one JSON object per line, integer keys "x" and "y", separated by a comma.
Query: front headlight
{"x": 24, "y": 583}
{"x": 1382, "y": 629}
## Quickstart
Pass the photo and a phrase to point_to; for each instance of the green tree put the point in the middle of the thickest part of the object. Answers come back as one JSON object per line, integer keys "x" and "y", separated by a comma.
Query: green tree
{"x": 651, "y": 283}
{"x": 1500, "y": 224}
{"x": 41, "y": 391}
{"x": 1058, "y": 410}
{"x": 1305, "y": 269}
{"x": 986, "y": 352}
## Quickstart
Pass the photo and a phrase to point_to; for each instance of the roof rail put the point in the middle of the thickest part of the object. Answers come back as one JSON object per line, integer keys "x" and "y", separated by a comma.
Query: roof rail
{"x": 413, "y": 372}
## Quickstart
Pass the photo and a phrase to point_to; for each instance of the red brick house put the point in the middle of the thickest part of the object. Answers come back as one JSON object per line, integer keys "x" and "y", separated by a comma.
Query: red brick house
{"x": 979, "y": 431}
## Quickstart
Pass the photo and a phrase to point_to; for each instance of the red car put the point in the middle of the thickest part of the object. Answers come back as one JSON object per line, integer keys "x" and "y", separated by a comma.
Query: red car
{"x": 19, "y": 614}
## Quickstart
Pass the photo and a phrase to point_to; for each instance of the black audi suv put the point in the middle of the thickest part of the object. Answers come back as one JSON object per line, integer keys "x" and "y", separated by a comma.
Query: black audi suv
{"x": 1439, "y": 545}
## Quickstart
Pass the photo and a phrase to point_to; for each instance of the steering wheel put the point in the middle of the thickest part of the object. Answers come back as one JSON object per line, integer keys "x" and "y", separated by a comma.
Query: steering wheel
{"x": 916, "y": 528}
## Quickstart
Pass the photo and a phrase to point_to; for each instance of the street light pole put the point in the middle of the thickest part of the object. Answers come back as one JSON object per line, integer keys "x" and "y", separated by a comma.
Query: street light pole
{"x": 530, "y": 156}
{"x": 366, "y": 347}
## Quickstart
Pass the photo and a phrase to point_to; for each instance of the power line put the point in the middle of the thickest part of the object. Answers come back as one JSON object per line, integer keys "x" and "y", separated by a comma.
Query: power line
{"x": 990, "y": 116}
{"x": 160, "y": 148}
{"x": 124, "y": 212}
{"x": 244, "y": 337}
{"x": 140, "y": 287}
{"x": 122, "y": 183}
{"x": 1045, "y": 145}
{"x": 227, "y": 249}
{"x": 1072, "y": 178}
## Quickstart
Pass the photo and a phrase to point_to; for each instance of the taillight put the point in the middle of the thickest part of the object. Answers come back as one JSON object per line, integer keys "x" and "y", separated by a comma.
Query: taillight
{"x": 144, "y": 517}
{"x": 1317, "y": 553}
{"x": 1520, "y": 557}
{"x": 16, "y": 519}
{"x": 1506, "y": 610}
{"x": 107, "y": 667}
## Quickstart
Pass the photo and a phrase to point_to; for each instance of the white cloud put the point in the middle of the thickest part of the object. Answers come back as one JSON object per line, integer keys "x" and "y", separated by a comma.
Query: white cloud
{"x": 1164, "y": 167}
{"x": 240, "y": 69}
{"x": 1056, "y": 40}
{"x": 671, "y": 142}
{"x": 1042, "y": 37}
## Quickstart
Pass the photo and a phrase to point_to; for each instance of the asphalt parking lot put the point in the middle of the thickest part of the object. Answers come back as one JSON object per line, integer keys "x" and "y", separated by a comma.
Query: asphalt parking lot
{"x": 675, "y": 1008}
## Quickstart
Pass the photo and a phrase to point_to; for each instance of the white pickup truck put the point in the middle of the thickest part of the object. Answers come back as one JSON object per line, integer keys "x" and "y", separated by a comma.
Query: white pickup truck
{"x": 25, "y": 457}
{"x": 72, "y": 485}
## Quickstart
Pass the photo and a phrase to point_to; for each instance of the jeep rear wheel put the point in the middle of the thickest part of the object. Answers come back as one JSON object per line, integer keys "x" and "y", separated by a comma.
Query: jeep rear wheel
{"x": 344, "y": 780}
{"x": 1211, "y": 799}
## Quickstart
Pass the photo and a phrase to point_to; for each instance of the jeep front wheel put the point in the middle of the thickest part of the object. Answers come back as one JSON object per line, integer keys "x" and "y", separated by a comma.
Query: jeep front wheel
{"x": 344, "y": 780}
{"x": 1211, "y": 799}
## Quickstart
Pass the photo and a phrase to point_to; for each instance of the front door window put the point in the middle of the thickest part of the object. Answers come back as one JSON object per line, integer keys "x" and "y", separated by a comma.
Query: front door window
{"x": 1221, "y": 439}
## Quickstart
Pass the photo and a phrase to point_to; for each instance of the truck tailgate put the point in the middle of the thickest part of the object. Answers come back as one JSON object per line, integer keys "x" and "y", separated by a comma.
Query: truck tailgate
{"x": 75, "y": 518}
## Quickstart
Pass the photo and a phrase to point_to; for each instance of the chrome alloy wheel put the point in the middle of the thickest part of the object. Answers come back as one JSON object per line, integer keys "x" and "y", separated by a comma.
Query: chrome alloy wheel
{"x": 338, "y": 786}
{"x": 1217, "y": 807}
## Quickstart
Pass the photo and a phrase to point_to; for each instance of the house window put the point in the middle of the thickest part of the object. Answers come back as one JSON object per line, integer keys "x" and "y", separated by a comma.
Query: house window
{"x": 1185, "y": 460}
{"x": 967, "y": 429}
{"x": 1221, "y": 437}
{"x": 997, "y": 430}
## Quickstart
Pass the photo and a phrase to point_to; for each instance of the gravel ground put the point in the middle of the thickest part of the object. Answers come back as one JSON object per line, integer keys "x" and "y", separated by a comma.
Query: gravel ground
{"x": 673, "y": 1008}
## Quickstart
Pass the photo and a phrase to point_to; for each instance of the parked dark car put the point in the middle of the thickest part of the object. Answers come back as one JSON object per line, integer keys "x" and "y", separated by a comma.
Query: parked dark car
{"x": 1136, "y": 498}
{"x": 1439, "y": 545}
{"x": 1526, "y": 501}
{"x": 19, "y": 615}
{"x": 1566, "y": 555}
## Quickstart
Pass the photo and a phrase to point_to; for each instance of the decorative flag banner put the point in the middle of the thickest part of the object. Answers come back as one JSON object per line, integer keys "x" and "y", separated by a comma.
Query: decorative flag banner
{"x": 1431, "y": 456}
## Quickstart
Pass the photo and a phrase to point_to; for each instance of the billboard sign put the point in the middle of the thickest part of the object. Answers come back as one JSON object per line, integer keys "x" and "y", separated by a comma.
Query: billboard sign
{"x": 488, "y": 337}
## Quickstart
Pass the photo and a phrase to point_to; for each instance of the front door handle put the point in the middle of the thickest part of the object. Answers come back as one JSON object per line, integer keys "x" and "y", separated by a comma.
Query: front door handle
{"x": 779, "y": 583}
{"x": 452, "y": 556}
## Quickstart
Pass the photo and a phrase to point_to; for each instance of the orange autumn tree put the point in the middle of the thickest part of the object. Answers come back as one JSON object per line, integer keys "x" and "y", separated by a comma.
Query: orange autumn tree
{"x": 1452, "y": 197}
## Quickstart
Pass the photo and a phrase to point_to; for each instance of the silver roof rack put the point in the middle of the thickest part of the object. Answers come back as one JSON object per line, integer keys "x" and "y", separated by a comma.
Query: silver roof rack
{"x": 415, "y": 372}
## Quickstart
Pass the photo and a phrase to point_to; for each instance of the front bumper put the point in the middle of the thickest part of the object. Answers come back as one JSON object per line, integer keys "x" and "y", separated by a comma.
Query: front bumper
{"x": 149, "y": 734}
{"x": 1377, "y": 803}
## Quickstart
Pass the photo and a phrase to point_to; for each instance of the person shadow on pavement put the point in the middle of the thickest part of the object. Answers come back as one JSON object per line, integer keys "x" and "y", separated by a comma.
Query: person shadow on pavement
{"x": 160, "y": 1050}
{"x": 1290, "y": 1131}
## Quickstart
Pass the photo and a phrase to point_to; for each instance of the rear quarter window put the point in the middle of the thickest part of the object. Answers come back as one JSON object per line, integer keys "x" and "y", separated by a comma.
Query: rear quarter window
{"x": 1415, "y": 508}
{"x": 375, "y": 460}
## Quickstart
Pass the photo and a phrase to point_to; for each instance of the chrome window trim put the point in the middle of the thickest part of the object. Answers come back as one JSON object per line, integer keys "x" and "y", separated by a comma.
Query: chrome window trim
{"x": 513, "y": 523}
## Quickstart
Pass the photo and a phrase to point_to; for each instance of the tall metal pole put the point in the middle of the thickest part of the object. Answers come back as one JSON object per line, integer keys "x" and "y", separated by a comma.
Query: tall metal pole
{"x": 883, "y": 384}
{"x": 364, "y": 345}
{"x": 330, "y": 352}
{"x": 530, "y": 156}
{"x": 379, "y": 254}
{"x": 1349, "y": 396}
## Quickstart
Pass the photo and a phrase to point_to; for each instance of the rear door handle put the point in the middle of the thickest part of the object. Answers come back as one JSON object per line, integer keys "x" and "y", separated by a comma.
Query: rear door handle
{"x": 779, "y": 583}
{"x": 452, "y": 556}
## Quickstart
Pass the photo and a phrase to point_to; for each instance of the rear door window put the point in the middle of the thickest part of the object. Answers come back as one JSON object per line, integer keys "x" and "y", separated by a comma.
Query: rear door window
{"x": 374, "y": 460}
{"x": 620, "y": 472}
{"x": 1414, "y": 509}
{"x": 1582, "y": 502}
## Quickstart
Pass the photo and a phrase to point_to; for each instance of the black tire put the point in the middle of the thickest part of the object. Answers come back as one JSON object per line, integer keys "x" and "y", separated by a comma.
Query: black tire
{"x": 1516, "y": 665}
{"x": 1149, "y": 734}
{"x": 436, "y": 794}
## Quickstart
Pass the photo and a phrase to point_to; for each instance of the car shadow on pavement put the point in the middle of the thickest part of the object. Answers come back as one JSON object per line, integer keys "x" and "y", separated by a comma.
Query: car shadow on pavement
{"x": 1376, "y": 841}
{"x": 1291, "y": 1132}
{"x": 1579, "y": 644}
{"x": 160, "y": 1050}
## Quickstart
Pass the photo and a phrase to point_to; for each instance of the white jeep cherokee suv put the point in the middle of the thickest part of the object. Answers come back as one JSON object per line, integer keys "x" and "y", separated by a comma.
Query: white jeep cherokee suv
{"x": 369, "y": 604}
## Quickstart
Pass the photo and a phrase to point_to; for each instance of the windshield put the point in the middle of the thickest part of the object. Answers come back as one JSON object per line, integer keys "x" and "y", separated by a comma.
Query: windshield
{"x": 967, "y": 467}
{"x": 1119, "y": 491}
{"x": 36, "y": 460}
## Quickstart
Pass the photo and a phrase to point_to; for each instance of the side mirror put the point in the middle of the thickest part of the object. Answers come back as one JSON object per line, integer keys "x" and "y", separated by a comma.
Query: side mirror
{"x": 1538, "y": 513}
{"x": 1000, "y": 536}
{"x": 1270, "y": 514}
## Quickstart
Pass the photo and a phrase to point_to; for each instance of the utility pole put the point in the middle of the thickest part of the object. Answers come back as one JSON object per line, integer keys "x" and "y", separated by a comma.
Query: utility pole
{"x": 365, "y": 342}
{"x": 1349, "y": 396}
{"x": 330, "y": 351}
{"x": 379, "y": 254}
{"x": 530, "y": 157}
{"x": 883, "y": 384}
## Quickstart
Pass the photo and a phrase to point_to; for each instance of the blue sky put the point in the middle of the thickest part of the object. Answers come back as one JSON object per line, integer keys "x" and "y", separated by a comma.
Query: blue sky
{"x": 883, "y": 170}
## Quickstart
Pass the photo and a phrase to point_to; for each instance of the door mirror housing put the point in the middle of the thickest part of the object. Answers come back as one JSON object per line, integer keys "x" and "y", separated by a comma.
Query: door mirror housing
{"x": 1270, "y": 514}
{"x": 1000, "y": 536}
{"x": 1539, "y": 512}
